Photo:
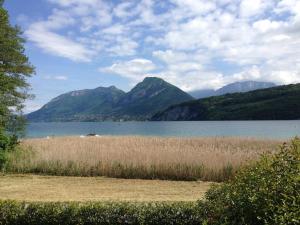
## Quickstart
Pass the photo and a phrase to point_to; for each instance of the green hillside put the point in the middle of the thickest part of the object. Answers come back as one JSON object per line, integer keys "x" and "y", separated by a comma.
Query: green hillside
{"x": 277, "y": 103}
{"x": 148, "y": 97}
{"x": 80, "y": 105}
{"x": 143, "y": 101}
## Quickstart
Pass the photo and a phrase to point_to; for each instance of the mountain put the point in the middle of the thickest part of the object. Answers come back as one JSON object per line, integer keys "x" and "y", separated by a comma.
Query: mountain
{"x": 146, "y": 98}
{"x": 277, "y": 103}
{"x": 236, "y": 87}
{"x": 203, "y": 93}
{"x": 79, "y": 105}
{"x": 244, "y": 86}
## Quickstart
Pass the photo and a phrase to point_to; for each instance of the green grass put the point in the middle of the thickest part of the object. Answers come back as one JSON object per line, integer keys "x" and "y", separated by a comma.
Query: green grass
{"x": 32, "y": 188}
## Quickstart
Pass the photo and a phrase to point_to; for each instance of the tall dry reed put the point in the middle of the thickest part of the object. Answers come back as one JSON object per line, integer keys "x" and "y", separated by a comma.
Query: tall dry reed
{"x": 207, "y": 159}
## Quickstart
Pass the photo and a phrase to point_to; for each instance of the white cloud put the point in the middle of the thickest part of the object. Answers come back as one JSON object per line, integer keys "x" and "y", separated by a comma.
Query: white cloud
{"x": 135, "y": 69}
{"x": 68, "y": 3}
{"x": 266, "y": 25}
{"x": 61, "y": 78}
{"x": 170, "y": 56}
{"x": 76, "y": 18}
{"x": 258, "y": 38}
{"x": 250, "y": 8}
{"x": 56, "y": 77}
{"x": 114, "y": 30}
{"x": 226, "y": 19}
{"x": 292, "y": 6}
{"x": 260, "y": 74}
{"x": 280, "y": 37}
{"x": 31, "y": 106}
{"x": 193, "y": 80}
{"x": 56, "y": 44}
{"x": 252, "y": 73}
{"x": 123, "y": 47}
{"x": 195, "y": 7}
{"x": 284, "y": 77}
{"x": 123, "y": 10}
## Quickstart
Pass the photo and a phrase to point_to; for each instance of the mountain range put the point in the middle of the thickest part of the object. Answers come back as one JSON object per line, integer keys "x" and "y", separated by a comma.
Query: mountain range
{"x": 156, "y": 99}
{"x": 244, "y": 86}
{"x": 277, "y": 103}
{"x": 110, "y": 103}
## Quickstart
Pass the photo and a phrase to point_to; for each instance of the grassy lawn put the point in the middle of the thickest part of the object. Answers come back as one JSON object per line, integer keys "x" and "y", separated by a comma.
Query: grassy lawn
{"x": 61, "y": 189}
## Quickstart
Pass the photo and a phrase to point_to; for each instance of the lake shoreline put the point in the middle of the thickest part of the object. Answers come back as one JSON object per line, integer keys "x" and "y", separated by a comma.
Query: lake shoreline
{"x": 158, "y": 137}
{"x": 255, "y": 129}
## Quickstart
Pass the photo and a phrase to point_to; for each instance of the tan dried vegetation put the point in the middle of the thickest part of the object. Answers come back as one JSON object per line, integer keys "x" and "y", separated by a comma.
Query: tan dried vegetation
{"x": 35, "y": 188}
{"x": 207, "y": 159}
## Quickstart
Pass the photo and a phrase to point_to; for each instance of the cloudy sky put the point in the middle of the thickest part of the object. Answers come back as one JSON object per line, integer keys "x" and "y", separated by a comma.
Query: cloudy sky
{"x": 194, "y": 44}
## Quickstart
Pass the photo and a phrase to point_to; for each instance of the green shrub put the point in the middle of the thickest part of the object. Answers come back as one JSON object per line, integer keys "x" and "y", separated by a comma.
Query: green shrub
{"x": 176, "y": 213}
{"x": 7, "y": 144}
{"x": 13, "y": 213}
{"x": 267, "y": 192}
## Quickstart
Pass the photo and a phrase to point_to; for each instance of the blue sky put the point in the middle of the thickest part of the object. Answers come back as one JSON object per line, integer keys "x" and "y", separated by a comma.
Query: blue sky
{"x": 194, "y": 44}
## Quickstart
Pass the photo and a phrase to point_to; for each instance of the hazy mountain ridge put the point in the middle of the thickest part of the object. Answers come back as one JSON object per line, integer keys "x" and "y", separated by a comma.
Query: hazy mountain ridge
{"x": 277, "y": 103}
{"x": 236, "y": 87}
{"x": 109, "y": 103}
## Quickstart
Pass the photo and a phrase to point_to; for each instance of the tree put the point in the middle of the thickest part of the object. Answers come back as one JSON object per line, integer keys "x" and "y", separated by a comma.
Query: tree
{"x": 14, "y": 71}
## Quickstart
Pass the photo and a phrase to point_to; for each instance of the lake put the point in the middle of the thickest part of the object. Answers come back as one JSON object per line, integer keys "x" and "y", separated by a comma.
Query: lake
{"x": 259, "y": 129}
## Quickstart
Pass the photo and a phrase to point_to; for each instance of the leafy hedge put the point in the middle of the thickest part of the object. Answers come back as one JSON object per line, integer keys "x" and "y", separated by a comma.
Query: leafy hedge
{"x": 14, "y": 213}
{"x": 266, "y": 193}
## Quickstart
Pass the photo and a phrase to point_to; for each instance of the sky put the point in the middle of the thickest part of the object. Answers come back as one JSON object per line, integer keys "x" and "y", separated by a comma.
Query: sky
{"x": 193, "y": 44}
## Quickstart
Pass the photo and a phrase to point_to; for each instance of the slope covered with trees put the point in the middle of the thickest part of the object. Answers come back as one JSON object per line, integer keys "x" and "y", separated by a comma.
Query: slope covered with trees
{"x": 278, "y": 103}
{"x": 143, "y": 101}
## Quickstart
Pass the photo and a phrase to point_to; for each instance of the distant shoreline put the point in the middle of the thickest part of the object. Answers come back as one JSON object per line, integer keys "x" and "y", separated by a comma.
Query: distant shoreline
{"x": 256, "y": 129}
{"x": 157, "y": 137}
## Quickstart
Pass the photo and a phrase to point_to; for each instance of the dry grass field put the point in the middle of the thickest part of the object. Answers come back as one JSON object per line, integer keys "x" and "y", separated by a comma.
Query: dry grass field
{"x": 33, "y": 188}
{"x": 207, "y": 159}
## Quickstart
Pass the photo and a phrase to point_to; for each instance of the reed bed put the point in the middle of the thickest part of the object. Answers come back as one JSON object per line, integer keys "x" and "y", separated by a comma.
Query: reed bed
{"x": 206, "y": 159}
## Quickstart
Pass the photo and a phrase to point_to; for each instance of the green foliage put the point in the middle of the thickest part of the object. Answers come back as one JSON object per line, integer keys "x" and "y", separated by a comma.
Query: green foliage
{"x": 14, "y": 69}
{"x": 267, "y": 192}
{"x": 13, "y": 213}
{"x": 175, "y": 213}
{"x": 267, "y": 104}
{"x": 7, "y": 144}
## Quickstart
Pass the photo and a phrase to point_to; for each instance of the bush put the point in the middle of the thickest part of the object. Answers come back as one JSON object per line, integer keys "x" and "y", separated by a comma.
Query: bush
{"x": 267, "y": 192}
{"x": 7, "y": 144}
{"x": 14, "y": 213}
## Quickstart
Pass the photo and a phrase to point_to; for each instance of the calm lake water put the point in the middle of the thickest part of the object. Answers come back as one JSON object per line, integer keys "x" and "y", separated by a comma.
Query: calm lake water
{"x": 260, "y": 129}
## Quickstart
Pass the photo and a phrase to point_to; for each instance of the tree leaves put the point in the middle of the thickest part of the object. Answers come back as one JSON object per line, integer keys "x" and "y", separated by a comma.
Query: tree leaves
{"x": 14, "y": 69}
